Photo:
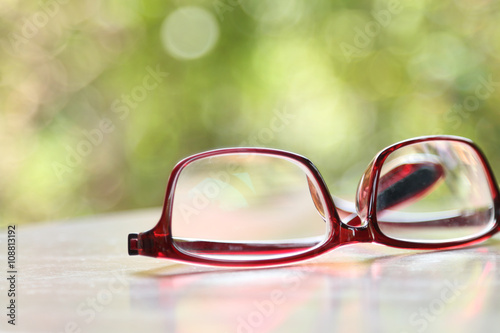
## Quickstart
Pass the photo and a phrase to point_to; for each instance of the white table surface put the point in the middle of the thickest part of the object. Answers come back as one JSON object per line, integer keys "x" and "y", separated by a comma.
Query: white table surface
{"x": 76, "y": 276}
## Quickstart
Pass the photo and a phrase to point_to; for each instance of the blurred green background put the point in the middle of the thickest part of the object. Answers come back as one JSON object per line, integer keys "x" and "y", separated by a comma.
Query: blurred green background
{"x": 99, "y": 99}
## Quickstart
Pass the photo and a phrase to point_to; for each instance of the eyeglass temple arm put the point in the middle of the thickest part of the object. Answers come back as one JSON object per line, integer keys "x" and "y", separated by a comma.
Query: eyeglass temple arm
{"x": 400, "y": 186}
{"x": 407, "y": 183}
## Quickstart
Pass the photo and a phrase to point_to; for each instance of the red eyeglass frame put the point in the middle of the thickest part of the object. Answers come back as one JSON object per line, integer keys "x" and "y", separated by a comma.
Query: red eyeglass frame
{"x": 158, "y": 241}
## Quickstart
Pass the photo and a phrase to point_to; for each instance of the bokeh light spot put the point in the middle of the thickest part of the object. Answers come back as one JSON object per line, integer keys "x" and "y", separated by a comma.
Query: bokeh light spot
{"x": 189, "y": 33}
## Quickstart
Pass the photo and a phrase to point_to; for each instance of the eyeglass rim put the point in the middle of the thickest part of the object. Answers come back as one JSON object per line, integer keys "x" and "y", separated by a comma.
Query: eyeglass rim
{"x": 381, "y": 238}
{"x": 339, "y": 233}
{"x": 333, "y": 219}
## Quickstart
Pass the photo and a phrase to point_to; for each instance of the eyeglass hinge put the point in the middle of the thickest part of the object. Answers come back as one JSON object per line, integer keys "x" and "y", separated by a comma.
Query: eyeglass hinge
{"x": 133, "y": 248}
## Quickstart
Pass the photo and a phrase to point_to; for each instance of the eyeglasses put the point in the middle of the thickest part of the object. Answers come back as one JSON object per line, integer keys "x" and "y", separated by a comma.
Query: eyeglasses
{"x": 251, "y": 207}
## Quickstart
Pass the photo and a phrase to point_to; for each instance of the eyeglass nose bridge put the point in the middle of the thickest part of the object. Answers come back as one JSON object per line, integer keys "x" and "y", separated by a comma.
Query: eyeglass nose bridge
{"x": 353, "y": 230}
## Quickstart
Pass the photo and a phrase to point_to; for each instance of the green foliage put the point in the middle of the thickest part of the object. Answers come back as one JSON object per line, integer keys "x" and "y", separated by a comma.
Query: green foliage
{"x": 99, "y": 100}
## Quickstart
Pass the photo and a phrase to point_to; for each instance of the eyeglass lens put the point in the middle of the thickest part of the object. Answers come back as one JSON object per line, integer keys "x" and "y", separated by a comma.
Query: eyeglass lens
{"x": 247, "y": 206}
{"x": 443, "y": 194}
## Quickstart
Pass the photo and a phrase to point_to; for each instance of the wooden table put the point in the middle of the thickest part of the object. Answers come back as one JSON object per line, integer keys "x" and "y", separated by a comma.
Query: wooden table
{"x": 76, "y": 276}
